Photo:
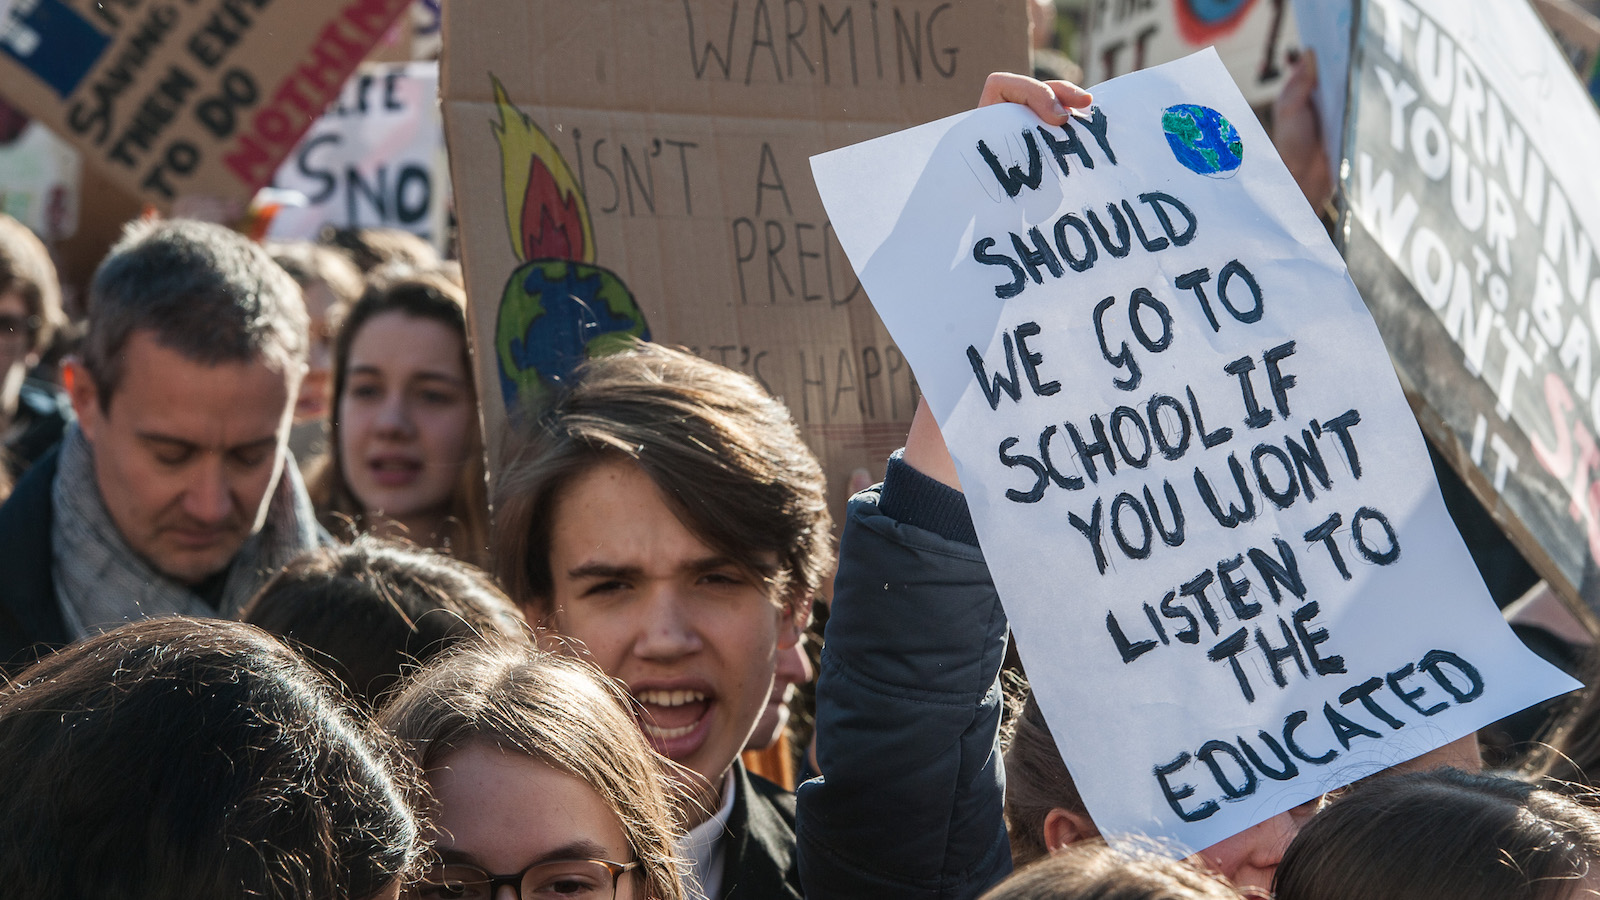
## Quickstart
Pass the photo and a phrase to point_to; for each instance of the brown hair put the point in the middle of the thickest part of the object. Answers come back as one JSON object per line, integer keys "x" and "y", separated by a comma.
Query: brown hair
{"x": 373, "y": 248}
{"x": 1443, "y": 834}
{"x": 429, "y": 296}
{"x": 375, "y": 609}
{"x": 728, "y": 460}
{"x": 1037, "y": 781}
{"x": 560, "y": 711}
{"x": 309, "y": 264}
{"x": 25, "y": 267}
{"x": 195, "y": 758}
{"x": 1090, "y": 870}
{"x": 1569, "y": 760}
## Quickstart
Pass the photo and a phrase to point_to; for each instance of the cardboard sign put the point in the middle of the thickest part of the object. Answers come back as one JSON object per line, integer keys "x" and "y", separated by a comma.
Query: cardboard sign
{"x": 1252, "y": 36}
{"x": 375, "y": 159}
{"x": 1199, "y": 489}
{"x": 640, "y": 169}
{"x": 203, "y": 97}
{"x": 1473, "y": 211}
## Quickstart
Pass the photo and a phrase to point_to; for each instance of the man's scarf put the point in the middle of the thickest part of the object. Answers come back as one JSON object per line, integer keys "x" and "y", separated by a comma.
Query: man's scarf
{"x": 102, "y": 583}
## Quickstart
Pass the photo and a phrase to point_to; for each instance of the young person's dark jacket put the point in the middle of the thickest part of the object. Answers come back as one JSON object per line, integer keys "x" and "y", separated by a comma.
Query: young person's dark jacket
{"x": 911, "y": 800}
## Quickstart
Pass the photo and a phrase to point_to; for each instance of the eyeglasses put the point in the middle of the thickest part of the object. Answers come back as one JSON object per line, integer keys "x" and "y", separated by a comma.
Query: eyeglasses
{"x": 562, "y": 879}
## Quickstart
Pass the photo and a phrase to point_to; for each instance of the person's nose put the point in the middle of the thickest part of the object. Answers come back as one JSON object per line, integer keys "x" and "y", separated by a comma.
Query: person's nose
{"x": 667, "y": 629}
{"x": 208, "y": 498}
{"x": 394, "y": 416}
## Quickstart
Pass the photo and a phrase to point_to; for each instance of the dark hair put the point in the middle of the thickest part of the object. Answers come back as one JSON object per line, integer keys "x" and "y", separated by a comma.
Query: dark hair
{"x": 202, "y": 290}
{"x": 188, "y": 758}
{"x": 374, "y": 610}
{"x": 1037, "y": 781}
{"x": 25, "y": 267}
{"x": 374, "y": 248}
{"x": 1090, "y": 870}
{"x": 560, "y": 711}
{"x": 424, "y": 295}
{"x": 1443, "y": 834}
{"x": 727, "y": 457}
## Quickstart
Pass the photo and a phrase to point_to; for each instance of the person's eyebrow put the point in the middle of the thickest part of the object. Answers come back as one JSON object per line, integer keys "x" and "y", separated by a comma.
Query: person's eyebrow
{"x": 711, "y": 563}
{"x": 155, "y": 437}
{"x": 604, "y": 570}
{"x": 579, "y": 849}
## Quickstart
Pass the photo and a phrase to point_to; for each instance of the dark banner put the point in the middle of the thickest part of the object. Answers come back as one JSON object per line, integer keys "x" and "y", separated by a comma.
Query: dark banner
{"x": 1470, "y": 231}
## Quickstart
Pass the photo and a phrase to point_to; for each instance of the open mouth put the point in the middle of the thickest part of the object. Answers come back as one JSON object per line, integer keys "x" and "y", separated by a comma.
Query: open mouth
{"x": 674, "y": 721}
{"x": 394, "y": 471}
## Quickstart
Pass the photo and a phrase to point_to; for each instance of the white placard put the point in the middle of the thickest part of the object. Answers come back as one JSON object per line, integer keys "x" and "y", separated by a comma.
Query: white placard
{"x": 1254, "y": 38}
{"x": 1244, "y": 589}
{"x": 1325, "y": 27}
{"x": 375, "y": 159}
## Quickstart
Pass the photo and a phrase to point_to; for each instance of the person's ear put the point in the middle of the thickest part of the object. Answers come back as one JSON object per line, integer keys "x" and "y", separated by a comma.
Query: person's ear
{"x": 84, "y": 395}
{"x": 795, "y": 617}
{"x": 1063, "y": 828}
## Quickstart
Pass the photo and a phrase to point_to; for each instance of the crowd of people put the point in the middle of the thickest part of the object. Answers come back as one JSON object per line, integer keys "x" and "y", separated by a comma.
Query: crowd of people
{"x": 230, "y": 676}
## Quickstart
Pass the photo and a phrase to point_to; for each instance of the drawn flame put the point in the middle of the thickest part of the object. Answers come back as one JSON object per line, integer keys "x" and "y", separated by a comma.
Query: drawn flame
{"x": 546, "y": 215}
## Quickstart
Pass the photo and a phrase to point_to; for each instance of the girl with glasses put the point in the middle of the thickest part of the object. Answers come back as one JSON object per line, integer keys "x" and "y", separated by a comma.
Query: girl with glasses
{"x": 541, "y": 785}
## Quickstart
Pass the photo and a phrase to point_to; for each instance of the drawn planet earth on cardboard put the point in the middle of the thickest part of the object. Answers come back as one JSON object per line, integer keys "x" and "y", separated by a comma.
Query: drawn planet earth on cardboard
{"x": 1202, "y": 139}
{"x": 554, "y": 314}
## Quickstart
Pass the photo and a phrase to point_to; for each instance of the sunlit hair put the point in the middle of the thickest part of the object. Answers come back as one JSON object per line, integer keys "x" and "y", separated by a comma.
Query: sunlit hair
{"x": 433, "y": 297}
{"x": 195, "y": 758}
{"x": 1090, "y": 870}
{"x": 25, "y": 267}
{"x": 1443, "y": 835}
{"x": 374, "y": 610}
{"x": 726, "y": 456}
{"x": 560, "y": 711}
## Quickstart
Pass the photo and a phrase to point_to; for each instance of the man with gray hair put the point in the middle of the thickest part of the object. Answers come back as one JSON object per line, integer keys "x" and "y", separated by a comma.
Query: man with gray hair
{"x": 174, "y": 494}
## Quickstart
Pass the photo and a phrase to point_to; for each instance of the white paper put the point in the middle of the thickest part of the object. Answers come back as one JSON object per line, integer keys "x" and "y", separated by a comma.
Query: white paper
{"x": 1253, "y": 38}
{"x": 1325, "y": 28}
{"x": 375, "y": 159}
{"x": 914, "y": 209}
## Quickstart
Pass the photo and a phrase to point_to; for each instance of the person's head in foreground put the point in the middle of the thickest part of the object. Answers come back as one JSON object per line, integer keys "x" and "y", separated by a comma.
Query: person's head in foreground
{"x": 666, "y": 514}
{"x": 1090, "y": 870}
{"x": 195, "y": 758}
{"x": 1445, "y": 835}
{"x": 185, "y": 390}
{"x": 1045, "y": 813}
{"x": 406, "y": 449}
{"x": 538, "y": 779}
{"x": 372, "y": 610}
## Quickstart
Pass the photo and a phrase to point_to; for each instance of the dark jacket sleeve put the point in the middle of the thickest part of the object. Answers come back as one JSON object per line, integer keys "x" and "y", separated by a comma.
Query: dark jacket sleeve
{"x": 908, "y": 707}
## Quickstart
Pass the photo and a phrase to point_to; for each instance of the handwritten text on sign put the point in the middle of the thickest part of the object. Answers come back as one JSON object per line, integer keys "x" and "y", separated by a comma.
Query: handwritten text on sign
{"x": 1199, "y": 488}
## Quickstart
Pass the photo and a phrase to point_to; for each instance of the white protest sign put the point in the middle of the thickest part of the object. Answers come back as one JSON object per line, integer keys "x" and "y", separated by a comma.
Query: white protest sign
{"x": 1325, "y": 27}
{"x": 375, "y": 159}
{"x": 1200, "y": 491}
{"x": 1252, "y": 36}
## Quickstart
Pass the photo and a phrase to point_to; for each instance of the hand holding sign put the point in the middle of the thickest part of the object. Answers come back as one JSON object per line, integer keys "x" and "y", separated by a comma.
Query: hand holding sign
{"x": 1200, "y": 491}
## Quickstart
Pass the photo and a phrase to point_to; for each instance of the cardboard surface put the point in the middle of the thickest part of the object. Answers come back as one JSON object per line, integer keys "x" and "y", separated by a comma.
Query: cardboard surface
{"x": 1200, "y": 491}
{"x": 1252, "y": 37}
{"x": 655, "y": 154}
{"x": 1473, "y": 212}
{"x": 198, "y": 97}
